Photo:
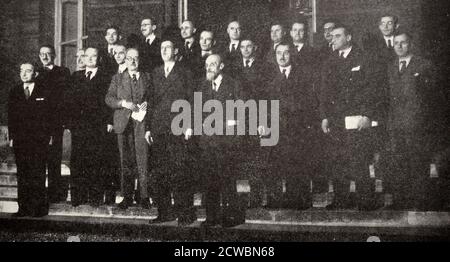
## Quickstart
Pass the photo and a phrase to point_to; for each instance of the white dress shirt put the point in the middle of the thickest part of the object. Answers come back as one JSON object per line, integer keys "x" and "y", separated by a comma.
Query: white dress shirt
{"x": 387, "y": 38}
{"x": 151, "y": 38}
{"x": 30, "y": 87}
{"x": 406, "y": 59}
{"x": 235, "y": 43}
{"x": 345, "y": 51}
{"x": 122, "y": 68}
{"x": 287, "y": 68}
{"x": 299, "y": 46}
{"x": 137, "y": 75}
{"x": 217, "y": 82}
{"x": 251, "y": 60}
{"x": 168, "y": 66}
{"x": 93, "y": 70}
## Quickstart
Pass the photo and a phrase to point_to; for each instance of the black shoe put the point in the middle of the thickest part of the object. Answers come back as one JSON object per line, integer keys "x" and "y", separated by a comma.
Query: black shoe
{"x": 145, "y": 204}
{"x": 124, "y": 204}
{"x": 20, "y": 214}
{"x": 210, "y": 224}
{"x": 185, "y": 220}
{"x": 161, "y": 219}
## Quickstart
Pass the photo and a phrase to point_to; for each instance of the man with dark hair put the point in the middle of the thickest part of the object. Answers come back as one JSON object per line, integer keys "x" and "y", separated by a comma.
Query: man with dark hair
{"x": 112, "y": 37}
{"x": 305, "y": 55}
{"x": 55, "y": 80}
{"x": 190, "y": 54}
{"x": 229, "y": 50}
{"x": 128, "y": 95}
{"x": 30, "y": 132}
{"x": 89, "y": 122}
{"x": 348, "y": 102}
{"x": 277, "y": 34}
{"x": 411, "y": 125}
{"x": 288, "y": 163}
{"x": 171, "y": 82}
{"x": 327, "y": 48}
{"x": 149, "y": 53}
{"x": 381, "y": 44}
{"x": 207, "y": 43}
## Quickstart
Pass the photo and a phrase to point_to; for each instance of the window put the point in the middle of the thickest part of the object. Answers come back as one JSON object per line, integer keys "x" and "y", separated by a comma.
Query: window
{"x": 69, "y": 31}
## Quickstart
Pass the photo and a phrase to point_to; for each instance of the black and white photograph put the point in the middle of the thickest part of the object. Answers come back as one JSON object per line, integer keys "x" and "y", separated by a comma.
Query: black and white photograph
{"x": 224, "y": 121}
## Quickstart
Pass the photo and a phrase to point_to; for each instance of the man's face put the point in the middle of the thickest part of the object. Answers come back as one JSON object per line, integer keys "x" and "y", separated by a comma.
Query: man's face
{"x": 277, "y": 33}
{"x": 283, "y": 55}
{"x": 111, "y": 36}
{"x": 46, "y": 56}
{"x": 234, "y": 30}
{"x": 132, "y": 60}
{"x": 119, "y": 54}
{"x": 213, "y": 66}
{"x": 206, "y": 41}
{"x": 91, "y": 58}
{"x": 27, "y": 73}
{"x": 402, "y": 45}
{"x": 187, "y": 29}
{"x": 340, "y": 40}
{"x": 147, "y": 27}
{"x": 298, "y": 32}
{"x": 168, "y": 51}
{"x": 80, "y": 59}
{"x": 327, "y": 29}
{"x": 247, "y": 49}
{"x": 387, "y": 25}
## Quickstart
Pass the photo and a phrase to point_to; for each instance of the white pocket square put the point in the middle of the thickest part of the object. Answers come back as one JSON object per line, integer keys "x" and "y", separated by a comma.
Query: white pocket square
{"x": 354, "y": 69}
{"x": 40, "y": 99}
{"x": 416, "y": 74}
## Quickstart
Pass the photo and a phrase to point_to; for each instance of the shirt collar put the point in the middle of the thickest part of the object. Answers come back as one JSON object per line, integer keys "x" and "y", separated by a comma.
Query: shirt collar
{"x": 169, "y": 66}
{"x": 190, "y": 41}
{"x": 29, "y": 85}
{"x": 122, "y": 67}
{"x": 251, "y": 59}
{"x": 151, "y": 37}
{"x": 218, "y": 81}
{"x": 93, "y": 70}
{"x": 113, "y": 47}
{"x": 137, "y": 75}
{"x": 234, "y": 42}
{"x": 206, "y": 52}
{"x": 299, "y": 46}
{"x": 406, "y": 59}
{"x": 288, "y": 69}
{"x": 50, "y": 67}
{"x": 346, "y": 51}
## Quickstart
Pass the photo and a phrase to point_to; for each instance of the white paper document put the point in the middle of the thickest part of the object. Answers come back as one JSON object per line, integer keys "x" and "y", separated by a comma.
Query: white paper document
{"x": 139, "y": 115}
{"x": 351, "y": 122}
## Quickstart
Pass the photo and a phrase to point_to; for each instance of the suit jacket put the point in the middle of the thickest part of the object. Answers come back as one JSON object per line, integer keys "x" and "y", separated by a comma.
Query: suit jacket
{"x": 121, "y": 88}
{"x": 253, "y": 79}
{"x": 190, "y": 58}
{"x": 56, "y": 83}
{"x": 29, "y": 119}
{"x": 230, "y": 89}
{"x": 306, "y": 56}
{"x": 297, "y": 114}
{"x": 411, "y": 96}
{"x": 228, "y": 57}
{"x": 375, "y": 45}
{"x": 108, "y": 62}
{"x": 349, "y": 87}
{"x": 150, "y": 55}
{"x": 177, "y": 86}
{"x": 88, "y": 111}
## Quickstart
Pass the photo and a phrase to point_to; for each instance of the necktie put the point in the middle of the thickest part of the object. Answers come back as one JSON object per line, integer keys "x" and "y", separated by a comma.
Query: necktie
{"x": 167, "y": 71}
{"x": 27, "y": 92}
{"x": 186, "y": 46}
{"x": 298, "y": 48}
{"x": 402, "y": 67}
{"x": 111, "y": 51}
{"x": 341, "y": 55}
{"x": 214, "y": 86}
{"x": 390, "y": 43}
{"x": 284, "y": 74}
{"x": 134, "y": 79}
{"x": 233, "y": 47}
{"x": 148, "y": 41}
{"x": 247, "y": 63}
{"x": 88, "y": 75}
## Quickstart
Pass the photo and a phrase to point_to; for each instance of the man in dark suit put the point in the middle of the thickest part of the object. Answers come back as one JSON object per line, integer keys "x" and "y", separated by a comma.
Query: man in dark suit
{"x": 288, "y": 160}
{"x": 277, "y": 34}
{"x": 128, "y": 95}
{"x": 326, "y": 49}
{"x": 55, "y": 80}
{"x": 348, "y": 101}
{"x": 150, "y": 56}
{"x": 112, "y": 37}
{"x": 411, "y": 127}
{"x": 89, "y": 123}
{"x": 190, "y": 54}
{"x": 229, "y": 50}
{"x": 218, "y": 158}
{"x": 171, "y": 82}
{"x": 305, "y": 55}
{"x": 381, "y": 44}
{"x": 30, "y": 131}
{"x": 207, "y": 43}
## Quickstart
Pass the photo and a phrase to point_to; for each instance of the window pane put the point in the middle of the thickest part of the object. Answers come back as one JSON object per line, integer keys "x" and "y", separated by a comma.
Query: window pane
{"x": 68, "y": 56}
{"x": 69, "y": 20}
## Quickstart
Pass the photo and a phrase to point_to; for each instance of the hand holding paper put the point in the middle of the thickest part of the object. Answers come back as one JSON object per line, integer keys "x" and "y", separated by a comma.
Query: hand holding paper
{"x": 140, "y": 114}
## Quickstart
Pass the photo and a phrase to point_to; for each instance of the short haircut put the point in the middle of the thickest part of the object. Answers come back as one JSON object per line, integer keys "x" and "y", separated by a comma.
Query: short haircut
{"x": 190, "y": 21}
{"x": 209, "y": 30}
{"x": 112, "y": 27}
{"x": 28, "y": 62}
{"x": 233, "y": 19}
{"x": 347, "y": 29}
{"x": 331, "y": 20}
{"x": 286, "y": 43}
{"x": 300, "y": 21}
{"x": 92, "y": 47}
{"x": 51, "y": 47}
{"x": 278, "y": 22}
{"x": 174, "y": 40}
{"x": 408, "y": 35}
{"x": 390, "y": 15}
{"x": 151, "y": 18}
{"x": 132, "y": 48}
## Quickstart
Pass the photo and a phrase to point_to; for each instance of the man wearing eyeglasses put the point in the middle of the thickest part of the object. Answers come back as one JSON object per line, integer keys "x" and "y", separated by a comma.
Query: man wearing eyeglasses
{"x": 149, "y": 46}
{"x": 128, "y": 96}
{"x": 55, "y": 79}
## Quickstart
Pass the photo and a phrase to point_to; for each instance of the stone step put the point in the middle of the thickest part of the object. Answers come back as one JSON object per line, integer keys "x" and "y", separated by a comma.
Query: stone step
{"x": 8, "y": 192}
{"x": 8, "y": 180}
{"x": 8, "y": 206}
{"x": 11, "y": 168}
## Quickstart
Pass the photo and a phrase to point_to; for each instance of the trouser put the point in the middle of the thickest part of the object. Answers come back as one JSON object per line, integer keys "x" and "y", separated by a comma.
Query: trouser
{"x": 169, "y": 176}
{"x": 111, "y": 169}
{"x": 30, "y": 160}
{"x": 133, "y": 159}
{"x": 57, "y": 189}
{"x": 86, "y": 167}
